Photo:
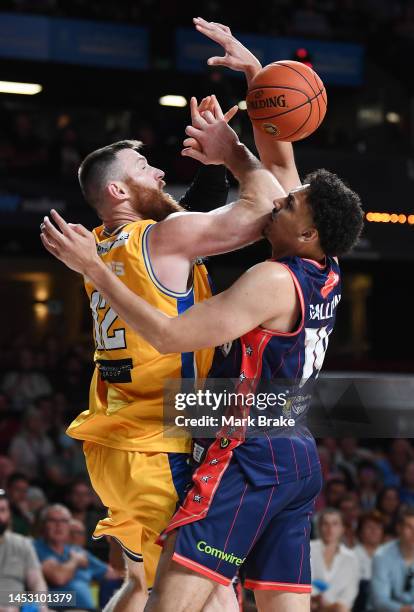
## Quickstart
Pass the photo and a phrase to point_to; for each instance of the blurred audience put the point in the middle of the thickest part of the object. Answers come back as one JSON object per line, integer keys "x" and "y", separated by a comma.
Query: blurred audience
{"x": 17, "y": 488}
{"x": 19, "y": 566}
{"x": 371, "y": 536}
{"x": 25, "y": 384}
{"x": 66, "y": 566}
{"x": 31, "y": 448}
{"x": 334, "y": 567}
{"x": 392, "y": 586}
{"x": 389, "y": 504}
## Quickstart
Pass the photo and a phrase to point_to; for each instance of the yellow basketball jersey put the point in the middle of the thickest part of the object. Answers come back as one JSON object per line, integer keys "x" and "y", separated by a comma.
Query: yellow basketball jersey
{"x": 126, "y": 393}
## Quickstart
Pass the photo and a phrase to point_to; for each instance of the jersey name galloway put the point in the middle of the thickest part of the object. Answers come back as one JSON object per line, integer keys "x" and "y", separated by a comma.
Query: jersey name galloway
{"x": 324, "y": 310}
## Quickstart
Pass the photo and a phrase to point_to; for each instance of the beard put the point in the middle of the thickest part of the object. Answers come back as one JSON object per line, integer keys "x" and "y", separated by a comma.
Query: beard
{"x": 151, "y": 203}
{"x": 3, "y": 527}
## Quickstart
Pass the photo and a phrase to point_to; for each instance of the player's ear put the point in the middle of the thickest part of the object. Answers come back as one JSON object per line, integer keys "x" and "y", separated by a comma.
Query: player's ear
{"x": 309, "y": 234}
{"x": 117, "y": 190}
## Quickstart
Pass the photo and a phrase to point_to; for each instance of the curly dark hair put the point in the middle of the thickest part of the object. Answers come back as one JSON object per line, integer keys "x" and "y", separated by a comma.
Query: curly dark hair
{"x": 336, "y": 210}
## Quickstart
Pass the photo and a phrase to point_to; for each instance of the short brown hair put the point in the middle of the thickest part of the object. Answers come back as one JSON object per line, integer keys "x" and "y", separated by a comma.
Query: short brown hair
{"x": 93, "y": 171}
{"x": 372, "y": 516}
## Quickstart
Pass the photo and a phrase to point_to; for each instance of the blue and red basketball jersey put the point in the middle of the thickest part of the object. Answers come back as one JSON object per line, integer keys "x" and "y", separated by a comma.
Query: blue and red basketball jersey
{"x": 258, "y": 359}
{"x": 264, "y": 356}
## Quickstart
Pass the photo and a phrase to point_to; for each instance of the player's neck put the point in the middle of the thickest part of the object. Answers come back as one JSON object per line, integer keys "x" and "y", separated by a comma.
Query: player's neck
{"x": 117, "y": 219}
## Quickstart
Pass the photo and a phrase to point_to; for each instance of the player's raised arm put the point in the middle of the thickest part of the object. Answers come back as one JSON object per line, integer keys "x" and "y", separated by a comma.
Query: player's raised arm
{"x": 277, "y": 156}
{"x": 209, "y": 323}
{"x": 188, "y": 235}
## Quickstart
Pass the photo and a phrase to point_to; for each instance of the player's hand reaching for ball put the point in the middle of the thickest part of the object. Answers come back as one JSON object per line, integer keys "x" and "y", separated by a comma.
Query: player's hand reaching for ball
{"x": 210, "y": 138}
{"x": 236, "y": 57}
{"x": 74, "y": 245}
{"x": 210, "y": 104}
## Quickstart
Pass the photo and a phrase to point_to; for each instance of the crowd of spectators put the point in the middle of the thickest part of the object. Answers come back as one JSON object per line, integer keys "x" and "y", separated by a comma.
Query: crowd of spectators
{"x": 357, "y": 529}
{"x": 315, "y": 18}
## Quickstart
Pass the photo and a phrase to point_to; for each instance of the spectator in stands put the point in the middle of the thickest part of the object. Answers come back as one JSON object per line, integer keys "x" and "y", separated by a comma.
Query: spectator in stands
{"x": 349, "y": 455}
{"x": 25, "y": 384}
{"x": 7, "y": 468}
{"x": 80, "y": 501}
{"x": 19, "y": 566}
{"x": 67, "y": 567}
{"x": 17, "y": 487}
{"x": 368, "y": 484}
{"x": 31, "y": 449}
{"x": 392, "y": 586}
{"x": 9, "y": 423}
{"x": 335, "y": 490}
{"x": 407, "y": 488}
{"x": 392, "y": 466}
{"x": 28, "y": 155}
{"x": 350, "y": 509}
{"x": 371, "y": 535}
{"x": 334, "y": 567}
{"x": 388, "y": 504}
{"x": 77, "y": 533}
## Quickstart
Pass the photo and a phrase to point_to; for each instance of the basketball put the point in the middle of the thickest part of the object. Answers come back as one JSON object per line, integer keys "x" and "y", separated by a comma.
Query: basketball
{"x": 287, "y": 100}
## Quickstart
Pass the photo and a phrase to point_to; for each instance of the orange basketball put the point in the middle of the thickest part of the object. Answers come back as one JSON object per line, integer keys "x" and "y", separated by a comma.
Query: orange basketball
{"x": 287, "y": 100}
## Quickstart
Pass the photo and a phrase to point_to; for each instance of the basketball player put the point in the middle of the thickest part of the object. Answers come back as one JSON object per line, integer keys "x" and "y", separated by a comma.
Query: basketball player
{"x": 137, "y": 472}
{"x": 252, "y": 498}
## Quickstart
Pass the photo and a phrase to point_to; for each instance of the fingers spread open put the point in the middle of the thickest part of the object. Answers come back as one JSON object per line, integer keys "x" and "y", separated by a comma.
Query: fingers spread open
{"x": 60, "y": 221}
{"x": 230, "y": 113}
{"x": 209, "y": 117}
{"x": 194, "y": 132}
{"x": 196, "y": 118}
{"x": 52, "y": 234}
{"x": 198, "y": 155}
{"x": 47, "y": 244}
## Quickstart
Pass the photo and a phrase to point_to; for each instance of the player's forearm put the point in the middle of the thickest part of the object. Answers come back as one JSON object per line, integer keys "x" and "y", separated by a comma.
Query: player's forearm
{"x": 276, "y": 156}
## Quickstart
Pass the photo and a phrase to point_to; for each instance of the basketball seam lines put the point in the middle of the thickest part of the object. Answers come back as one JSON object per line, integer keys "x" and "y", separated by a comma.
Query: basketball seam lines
{"x": 310, "y": 85}
{"x": 290, "y": 110}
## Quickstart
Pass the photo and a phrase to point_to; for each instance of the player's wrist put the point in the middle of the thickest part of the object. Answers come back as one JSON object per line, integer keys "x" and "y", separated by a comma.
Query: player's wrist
{"x": 251, "y": 69}
{"x": 95, "y": 269}
{"x": 239, "y": 160}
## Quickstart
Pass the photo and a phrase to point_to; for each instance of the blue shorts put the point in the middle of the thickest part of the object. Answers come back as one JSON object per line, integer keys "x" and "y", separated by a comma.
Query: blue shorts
{"x": 263, "y": 531}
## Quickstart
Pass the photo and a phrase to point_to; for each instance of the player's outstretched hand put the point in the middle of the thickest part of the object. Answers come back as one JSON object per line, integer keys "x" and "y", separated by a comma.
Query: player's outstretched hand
{"x": 210, "y": 136}
{"x": 72, "y": 243}
{"x": 211, "y": 104}
{"x": 236, "y": 57}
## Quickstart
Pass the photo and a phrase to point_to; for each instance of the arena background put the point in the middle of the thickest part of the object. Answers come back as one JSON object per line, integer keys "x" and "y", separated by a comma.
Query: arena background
{"x": 103, "y": 68}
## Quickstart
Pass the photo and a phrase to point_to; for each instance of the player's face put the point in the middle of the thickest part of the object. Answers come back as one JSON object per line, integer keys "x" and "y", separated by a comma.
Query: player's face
{"x": 139, "y": 172}
{"x": 290, "y": 221}
{"x": 145, "y": 187}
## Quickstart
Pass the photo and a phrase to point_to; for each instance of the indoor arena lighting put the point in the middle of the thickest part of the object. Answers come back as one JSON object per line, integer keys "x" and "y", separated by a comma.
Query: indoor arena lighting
{"x": 26, "y": 89}
{"x": 178, "y": 101}
{"x": 382, "y": 217}
{"x": 392, "y": 117}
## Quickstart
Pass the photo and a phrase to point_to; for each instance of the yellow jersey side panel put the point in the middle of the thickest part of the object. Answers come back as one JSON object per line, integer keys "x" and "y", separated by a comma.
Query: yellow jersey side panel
{"x": 126, "y": 392}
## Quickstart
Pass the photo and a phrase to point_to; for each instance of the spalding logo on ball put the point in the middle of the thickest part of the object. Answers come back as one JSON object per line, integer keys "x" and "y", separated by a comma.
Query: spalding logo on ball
{"x": 287, "y": 100}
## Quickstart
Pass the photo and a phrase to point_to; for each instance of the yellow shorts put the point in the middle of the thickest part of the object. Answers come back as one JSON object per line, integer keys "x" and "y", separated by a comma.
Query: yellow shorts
{"x": 141, "y": 491}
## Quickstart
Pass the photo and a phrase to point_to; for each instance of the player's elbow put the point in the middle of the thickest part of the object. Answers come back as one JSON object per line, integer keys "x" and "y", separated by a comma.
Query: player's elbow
{"x": 170, "y": 338}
